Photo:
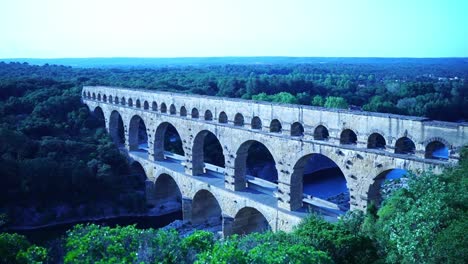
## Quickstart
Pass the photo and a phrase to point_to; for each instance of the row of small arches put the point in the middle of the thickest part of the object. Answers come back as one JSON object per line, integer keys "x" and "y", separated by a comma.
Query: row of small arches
{"x": 404, "y": 145}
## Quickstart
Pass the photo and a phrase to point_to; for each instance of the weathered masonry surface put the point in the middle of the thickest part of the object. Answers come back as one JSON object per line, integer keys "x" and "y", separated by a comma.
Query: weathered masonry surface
{"x": 363, "y": 145}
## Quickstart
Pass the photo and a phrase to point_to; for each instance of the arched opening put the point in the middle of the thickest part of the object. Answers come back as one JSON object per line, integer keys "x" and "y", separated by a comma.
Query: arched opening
{"x": 183, "y": 111}
{"x": 348, "y": 137}
{"x": 110, "y": 99}
{"x": 249, "y": 220}
{"x": 135, "y": 188}
{"x": 167, "y": 139}
{"x": 137, "y": 135}
{"x": 167, "y": 194}
{"x": 137, "y": 103}
{"x": 385, "y": 183}
{"x": 146, "y": 105}
{"x": 99, "y": 97}
{"x": 255, "y": 165}
{"x": 84, "y": 94}
{"x": 316, "y": 177}
{"x": 404, "y": 145}
{"x": 321, "y": 133}
{"x": 94, "y": 96}
{"x": 275, "y": 126}
{"x": 239, "y": 120}
{"x": 437, "y": 150}
{"x": 172, "y": 109}
{"x": 99, "y": 115}
{"x": 130, "y": 102}
{"x": 104, "y": 98}
{"x": 122, "y": 101}
{"x": 195, "y": 113}
{"x": 154, "y": 106}
{"x": 256, "y": 123}
{"x": 297, "y": 130}
{"x": 163, "y": 108}
{"x": 116, "y": 128}
{"x": 206, "y": 209}
{"x": 208, "y": 115}
{"x": 117, "y": 101}
{"x": 207, "y": 153}
{"x": 89, "y": 95}
{"x": 376, "y": 141}
{"x": 222, "y": 118}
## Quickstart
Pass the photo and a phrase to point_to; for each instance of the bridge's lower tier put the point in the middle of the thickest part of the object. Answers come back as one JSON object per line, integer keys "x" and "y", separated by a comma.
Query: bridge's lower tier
{"x": 204, "y": 198}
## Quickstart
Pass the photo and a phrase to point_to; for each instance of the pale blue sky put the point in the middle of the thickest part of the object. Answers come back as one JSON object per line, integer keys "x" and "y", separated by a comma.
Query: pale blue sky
{"x": 184, "y": 28}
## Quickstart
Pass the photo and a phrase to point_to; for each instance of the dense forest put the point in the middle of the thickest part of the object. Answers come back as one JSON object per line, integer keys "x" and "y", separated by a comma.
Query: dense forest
{"x": 56, "y": 157}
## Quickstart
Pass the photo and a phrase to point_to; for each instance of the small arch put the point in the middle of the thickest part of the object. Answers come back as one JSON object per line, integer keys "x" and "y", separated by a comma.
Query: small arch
{"x": 84, "y": 94}
{"x": 436, "y": 150}
{"x": 94, "y": 96}
{"x": 405, "y": 145}
{"x": 122, "y": 101}
{"x": 222, "y": 118}
{"x": 348, "y": 137}
{"x": 208, "y": 115}
{"x": 194, "y": 113}
{"x": 249, "y": 220}
{"x": 154, "y": 106}
{"x": 110, "y": 99}
{"x": 99, "y": 97}
{"x": 183, "y": 111}
{"x": 89, "y": 95}
{"x": 239, "y": 120}
{"x": 137, "y": 103}
{"x": 256, "y": 123}
{"x": 163, "y": 108}
{"x": 104, "y": 98}
{"x": 275, "y": 126}
{"x": 321, "y": 133}
{"x": 130, "y": 102}
{"x": 297, "y": 130}
{"x": 167, "y": 138}
{"x": 146, "y": 105}
{"x": 172, "y": 109}
{"x": 206, "y": 209}
{"x": 376, "y": 141}
{"x": 167, "y": 193}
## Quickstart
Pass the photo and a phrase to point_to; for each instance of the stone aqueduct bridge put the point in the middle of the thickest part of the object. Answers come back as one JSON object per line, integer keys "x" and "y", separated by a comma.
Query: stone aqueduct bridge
{"x": 364, "y": 146}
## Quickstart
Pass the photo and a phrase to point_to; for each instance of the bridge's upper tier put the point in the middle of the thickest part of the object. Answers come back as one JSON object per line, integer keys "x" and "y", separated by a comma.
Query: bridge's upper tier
{"x": 392, "y": 127}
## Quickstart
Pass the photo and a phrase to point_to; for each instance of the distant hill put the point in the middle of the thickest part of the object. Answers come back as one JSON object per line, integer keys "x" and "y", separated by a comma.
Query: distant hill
{"x": 207, "y": 61}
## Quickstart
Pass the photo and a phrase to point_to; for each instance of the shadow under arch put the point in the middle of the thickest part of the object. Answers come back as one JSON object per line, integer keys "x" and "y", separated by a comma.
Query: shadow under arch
{"x": 98, "y": 114}
{"x": 206, "y": 209}
{"x": 167, "y": 194}
{"x": 206, "y": 150}
{"x": 249, "y": 220}
{"x": 116, "y": 128}
{"x": 167, "y": 138}
{"x": 137, "y": 135}
{"x": 253, "y": 158}
{"x": 318, "y": 176}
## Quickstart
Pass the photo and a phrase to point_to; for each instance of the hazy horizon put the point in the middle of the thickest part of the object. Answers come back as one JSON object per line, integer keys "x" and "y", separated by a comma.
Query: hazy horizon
{"x": 54, "y": 29}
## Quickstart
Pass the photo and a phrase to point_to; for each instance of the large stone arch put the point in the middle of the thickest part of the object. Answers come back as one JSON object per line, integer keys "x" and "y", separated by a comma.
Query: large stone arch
{"x": 137, "y": 133}
{"x": 99, "y": 115}
{"x": 158, "y": 149}
{"x": 248, "y": 220}
{"x": 373, "y": 194}
{"x": 198, "y": 151}
{"x": 167, "y": 193}
{"x": 297, "y": 177}
{"x": 240, "y": 163}
{"x": 116, "y": 128}
{"x": 432, "y": 145}
{"x": 206, "y": 208}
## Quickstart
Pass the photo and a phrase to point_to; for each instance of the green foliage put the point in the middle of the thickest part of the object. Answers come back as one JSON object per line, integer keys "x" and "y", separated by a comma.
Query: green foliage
{"x": 33, "y": 255}
{"x": 10, "y": 246}
{"x": 335, "y": 102}
{"x": 318, "y": 101}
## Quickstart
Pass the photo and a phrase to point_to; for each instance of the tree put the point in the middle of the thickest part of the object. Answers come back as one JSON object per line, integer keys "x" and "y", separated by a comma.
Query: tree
{"x": 335, "y": 102}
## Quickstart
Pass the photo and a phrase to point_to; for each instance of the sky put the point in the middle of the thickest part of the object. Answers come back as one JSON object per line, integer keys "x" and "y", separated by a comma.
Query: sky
{"x": 213, "y": 28}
